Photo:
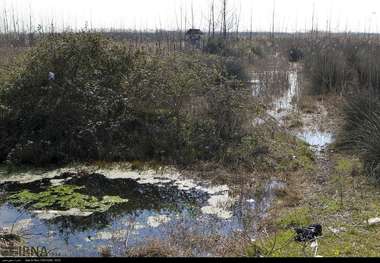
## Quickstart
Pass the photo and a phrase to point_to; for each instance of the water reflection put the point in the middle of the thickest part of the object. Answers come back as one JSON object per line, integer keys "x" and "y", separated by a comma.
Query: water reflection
{"x": 152, "y": 212}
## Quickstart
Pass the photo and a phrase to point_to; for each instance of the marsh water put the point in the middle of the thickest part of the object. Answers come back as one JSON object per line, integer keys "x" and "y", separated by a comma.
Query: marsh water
{"x": 159, "y": 203}
{"x": 285, "y": 104}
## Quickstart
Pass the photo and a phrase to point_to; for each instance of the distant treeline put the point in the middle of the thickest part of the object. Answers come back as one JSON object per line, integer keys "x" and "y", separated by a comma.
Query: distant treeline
{"x": 26, "y": 39}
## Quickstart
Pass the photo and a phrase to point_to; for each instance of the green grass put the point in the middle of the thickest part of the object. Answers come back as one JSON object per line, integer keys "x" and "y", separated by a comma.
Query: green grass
{"x": 361, "y": 201}
{"x": 294, "y": 154}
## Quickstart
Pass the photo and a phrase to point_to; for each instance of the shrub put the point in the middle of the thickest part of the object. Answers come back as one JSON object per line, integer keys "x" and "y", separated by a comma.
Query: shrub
{"x": 216, "y": 46}
{"x": 72, "y": 116}
{"x": 111, "y": 103}
{"x": 328, "y": 70}
{"x": 235, "y": 68}
{"x": 190, "y": 113}
{"x": 361, "y": 130}
{"x": 367, "y": 66}
{"x": 295, "y": 54}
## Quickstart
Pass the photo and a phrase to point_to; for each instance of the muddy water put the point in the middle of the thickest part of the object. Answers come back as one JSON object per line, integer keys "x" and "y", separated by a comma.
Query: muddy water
{"x": 158, "y": 202}
{"x": 285, "y": 105}
{"x": 317, "y": 139}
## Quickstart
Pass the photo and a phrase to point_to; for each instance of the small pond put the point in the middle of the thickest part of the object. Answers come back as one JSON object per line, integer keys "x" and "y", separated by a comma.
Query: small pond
{"x": 147, "y": 205}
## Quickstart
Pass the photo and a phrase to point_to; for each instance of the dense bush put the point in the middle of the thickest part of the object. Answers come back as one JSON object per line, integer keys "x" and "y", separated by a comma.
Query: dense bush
{"x": 235, "y": 66}
{"x": 295, "y": 54}
{"x": 72, "y": 116}
{"x": 217, "y": 46}
{"x": 343, "y": 65}
{"x": 108, "y": 102}
{"x": 328, "y": 70}
{"x": 199, "y": 114}
{"x": 367, "y": 65}
{"x": 361, "y": 130}
{"x": 350, "y": 67}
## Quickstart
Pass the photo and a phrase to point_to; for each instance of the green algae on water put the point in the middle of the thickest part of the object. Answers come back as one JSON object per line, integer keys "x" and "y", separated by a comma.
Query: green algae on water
{"x": 64, "y": 197}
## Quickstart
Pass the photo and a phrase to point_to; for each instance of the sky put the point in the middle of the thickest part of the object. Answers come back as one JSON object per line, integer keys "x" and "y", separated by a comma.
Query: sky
{"x": 290, "y": 15}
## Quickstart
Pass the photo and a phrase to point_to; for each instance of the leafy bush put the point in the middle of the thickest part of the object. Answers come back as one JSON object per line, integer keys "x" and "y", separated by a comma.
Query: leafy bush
{"x": 190, "y": 112}
{"x": 72, "y": 116}
{"x": 216, "y": 46}
{"x": 108, "y": 102}
{"x": 235, "y": 68}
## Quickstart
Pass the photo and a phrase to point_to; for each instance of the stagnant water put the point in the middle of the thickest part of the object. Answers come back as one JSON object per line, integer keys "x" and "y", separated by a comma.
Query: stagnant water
{"x": 284, "y": 105}
{"x": 158, "y": 203}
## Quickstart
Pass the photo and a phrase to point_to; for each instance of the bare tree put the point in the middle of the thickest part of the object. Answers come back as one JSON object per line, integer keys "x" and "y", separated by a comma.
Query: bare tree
{"x": 5, "y": 21}
{"x": 224, "y": 19}
{"x": 237, "y": 21}
{"x": 273, "y": 17}
{"x": 192, "y": 15}
{"x": 251, "y": 28}
{"x": 312, "y": 18}
{"x": 213, "y": 18}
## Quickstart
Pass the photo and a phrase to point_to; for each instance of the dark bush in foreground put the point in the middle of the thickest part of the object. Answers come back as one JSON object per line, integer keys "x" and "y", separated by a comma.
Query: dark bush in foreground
{"x": 107, "y": 102}
{"x": 72, "y": 116}
{"x": 361, "y": 130}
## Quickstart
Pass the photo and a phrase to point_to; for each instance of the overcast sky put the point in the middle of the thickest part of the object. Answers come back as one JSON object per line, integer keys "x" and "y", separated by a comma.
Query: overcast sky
{"x": 291, "y": 15}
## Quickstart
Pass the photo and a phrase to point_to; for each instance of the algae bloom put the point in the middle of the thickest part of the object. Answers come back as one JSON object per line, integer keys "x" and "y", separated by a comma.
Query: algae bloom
{"x": 64, "y": 197}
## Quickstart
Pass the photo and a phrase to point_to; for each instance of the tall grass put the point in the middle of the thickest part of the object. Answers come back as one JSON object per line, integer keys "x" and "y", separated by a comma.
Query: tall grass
{"x": 361, "y": 130}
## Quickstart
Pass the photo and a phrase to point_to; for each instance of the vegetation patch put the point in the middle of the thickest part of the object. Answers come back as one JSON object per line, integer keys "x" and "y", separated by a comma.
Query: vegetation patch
{"x": 343, "y": 216}
{"x": 360, "y": 132}
{"x": 291, "y": 154}
{"x": 64, "y": 197}
{"x": 110, "y": 102}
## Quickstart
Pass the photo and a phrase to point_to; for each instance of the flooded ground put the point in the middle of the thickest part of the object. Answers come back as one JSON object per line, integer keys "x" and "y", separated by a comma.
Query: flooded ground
{"x": 285, "y": 105}
{"x": 118, "y": 207}
{"x": 317, "y": 139}
{"x": 155, "y": 204}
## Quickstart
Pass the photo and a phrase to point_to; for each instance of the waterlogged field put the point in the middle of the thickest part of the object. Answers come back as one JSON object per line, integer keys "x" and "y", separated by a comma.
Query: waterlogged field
{"x": 79, "y": 210}
{"x": 147, "y": 208}
{"x": 75, "y": 211}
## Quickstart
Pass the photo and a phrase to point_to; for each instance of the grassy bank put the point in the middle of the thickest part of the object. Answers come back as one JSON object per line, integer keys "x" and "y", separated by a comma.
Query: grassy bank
{"x": 342, "y": 205}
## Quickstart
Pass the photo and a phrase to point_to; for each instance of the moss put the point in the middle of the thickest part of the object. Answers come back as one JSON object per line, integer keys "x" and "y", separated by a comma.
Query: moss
{"x": 294, "y": 154}
{"x": 288, "y": 197}
{"x": 347, "y": 165}
{"x": 329, "y": 205}
{"x": 293, "y": 121}
{"x": 297, "y": 217}
{"x": 349, "y": 243}
{"x": 361, "y": 201}
{"x": 281, "y": 244}
{"x": 64, "y": 197}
